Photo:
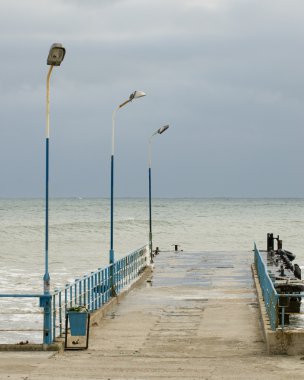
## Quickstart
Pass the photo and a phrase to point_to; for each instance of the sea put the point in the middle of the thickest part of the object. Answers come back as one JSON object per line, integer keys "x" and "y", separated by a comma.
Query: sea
{"x": 79, "y": 233}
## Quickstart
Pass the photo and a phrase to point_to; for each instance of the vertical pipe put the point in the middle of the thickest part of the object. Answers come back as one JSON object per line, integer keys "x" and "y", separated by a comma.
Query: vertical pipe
{"x": 118, "y": 275}
{"x": 113, "y": 278}
{"x": 130, "y": 268}
{"x": 96, "y": 290}
{"x": 107, "y": 283}
{"x": 71, "y": 296}
{"x": 54, "y": 315}
{"x": 112, "y": 213}
{"x": 111, "y": 253}
{"x": 89, "y": 293}
{"x": 85, "y": 292}
{"x": 60, "y": 314}
{"x": 47, "y": 318}
{"x": 46, "y": 278}
{"x": 75, "y": 293}
{"x": 99, "y": 287}
{"x": 150, "y": 217}
{"x": 93, "y": 293}
{"x": 125, "y": 271}
{"x": 80, "y": 292}
{"x": 102, "y": 286}
{"x": 66, "y": 298}
{"x": 112, "y": 229}
{"x": 122, "y": 277}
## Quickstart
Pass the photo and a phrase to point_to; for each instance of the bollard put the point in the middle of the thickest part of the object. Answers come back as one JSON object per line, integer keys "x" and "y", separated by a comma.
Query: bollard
{"x": 270, "y": 244}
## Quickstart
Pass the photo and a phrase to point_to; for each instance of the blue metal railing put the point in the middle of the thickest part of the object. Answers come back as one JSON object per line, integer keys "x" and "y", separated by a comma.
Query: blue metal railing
{"x": 91, "y": 291}
{"x": 95, "y": 289}
{"x": 275, "y": 302}
{"x": 270, "y": 295}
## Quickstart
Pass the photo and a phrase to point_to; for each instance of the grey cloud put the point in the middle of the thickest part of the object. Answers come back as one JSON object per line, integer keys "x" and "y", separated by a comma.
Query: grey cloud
{"x": 226, "y": 75}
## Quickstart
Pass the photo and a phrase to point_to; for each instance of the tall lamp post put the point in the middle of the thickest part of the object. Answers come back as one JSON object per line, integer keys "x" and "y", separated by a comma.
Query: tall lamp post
{"x": 134, "y": 95}
{"x": 159, "y": 131}
{"x": 55, "y": 57}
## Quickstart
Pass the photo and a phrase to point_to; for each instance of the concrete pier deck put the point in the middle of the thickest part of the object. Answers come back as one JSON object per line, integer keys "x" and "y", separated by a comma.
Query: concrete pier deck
{"x": 196, "y": 317}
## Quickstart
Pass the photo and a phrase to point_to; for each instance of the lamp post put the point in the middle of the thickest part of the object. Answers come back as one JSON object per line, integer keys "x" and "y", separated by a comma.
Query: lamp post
{"x": 55, "y": 57}
{"x": 159, "y": 131}
{"x": 134, "y": 95}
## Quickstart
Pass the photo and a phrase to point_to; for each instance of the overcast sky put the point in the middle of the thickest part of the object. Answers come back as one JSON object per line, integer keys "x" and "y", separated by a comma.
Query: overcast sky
{"x": 227, "y": 75}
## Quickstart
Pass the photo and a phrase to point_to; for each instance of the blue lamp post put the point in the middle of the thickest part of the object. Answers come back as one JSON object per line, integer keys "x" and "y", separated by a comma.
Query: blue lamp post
{"x": 159, "y": 131}
{"x": 134, "y": 95}
{"x": 55, "y": 57}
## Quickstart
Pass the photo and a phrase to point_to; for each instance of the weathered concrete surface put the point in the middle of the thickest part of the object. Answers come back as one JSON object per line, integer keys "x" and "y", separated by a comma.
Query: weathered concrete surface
{"x": 196, "y": 319}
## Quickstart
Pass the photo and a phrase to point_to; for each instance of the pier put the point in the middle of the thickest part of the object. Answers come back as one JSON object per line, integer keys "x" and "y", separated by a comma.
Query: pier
{"x": 195, "y": 316}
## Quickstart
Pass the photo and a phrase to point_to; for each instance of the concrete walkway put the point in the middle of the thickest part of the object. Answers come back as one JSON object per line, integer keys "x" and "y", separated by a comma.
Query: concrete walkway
{"x": 195, "y": 318}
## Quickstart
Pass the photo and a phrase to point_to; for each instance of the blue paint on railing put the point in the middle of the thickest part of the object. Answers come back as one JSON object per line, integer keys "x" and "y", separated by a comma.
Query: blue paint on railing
{"x": 270, "y": 295}
{"x": 91, "y": 291}
{"x": 94, "y": 290}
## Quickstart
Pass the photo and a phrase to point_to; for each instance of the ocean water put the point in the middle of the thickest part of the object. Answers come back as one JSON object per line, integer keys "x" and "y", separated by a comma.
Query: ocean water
{"x": 79, "y": 238}
{"x": 79, "y": 232}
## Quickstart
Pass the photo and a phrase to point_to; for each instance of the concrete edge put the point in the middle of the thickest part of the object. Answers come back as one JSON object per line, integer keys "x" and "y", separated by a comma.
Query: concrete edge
{"x": 57, "y": 346}
{"x": 265, "y": 323}
{"x": 95, "y": 318}
{"x": 280, "y": 342}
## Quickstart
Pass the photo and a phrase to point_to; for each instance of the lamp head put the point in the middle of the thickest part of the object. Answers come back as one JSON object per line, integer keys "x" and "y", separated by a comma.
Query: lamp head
{"x": 136, "y": 94}
{"x": 163, "y": 129}
{"x": 56, "y": 55}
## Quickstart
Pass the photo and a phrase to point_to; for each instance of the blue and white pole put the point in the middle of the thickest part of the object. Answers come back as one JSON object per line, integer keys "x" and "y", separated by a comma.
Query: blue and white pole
{"x": 134, "y": 95}
{"x": 46, "y": 301}
{"x": 150, "y": 203}
{"x": 46, "y": 278}
{"x": 55, "y": 57}
{"x": 111, "y": 253}
{"x": 159, "y": 131}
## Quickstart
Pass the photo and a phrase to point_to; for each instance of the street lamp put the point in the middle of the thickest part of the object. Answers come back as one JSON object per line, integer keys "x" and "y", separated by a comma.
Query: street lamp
{"x": 159, "y": 131}
{"x": 55, "y": 57}
{"x": 134, "y": 95}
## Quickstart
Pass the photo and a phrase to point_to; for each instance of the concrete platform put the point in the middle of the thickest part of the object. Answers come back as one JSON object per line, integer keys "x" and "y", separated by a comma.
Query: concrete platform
{"x": 196, "y": 317}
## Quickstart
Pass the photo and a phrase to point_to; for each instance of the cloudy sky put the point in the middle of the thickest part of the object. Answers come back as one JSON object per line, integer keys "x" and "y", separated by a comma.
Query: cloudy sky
{"x": 227, "y": 75}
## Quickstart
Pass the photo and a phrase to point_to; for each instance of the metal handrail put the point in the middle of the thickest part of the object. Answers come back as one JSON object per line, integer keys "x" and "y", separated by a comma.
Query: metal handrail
{"x": 270, "y": 295}
{"x": 92, "y": 290}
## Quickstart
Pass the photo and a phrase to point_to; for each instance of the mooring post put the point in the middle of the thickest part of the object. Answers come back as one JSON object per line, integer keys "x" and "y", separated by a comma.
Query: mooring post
{"x": 270, "y": 245}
